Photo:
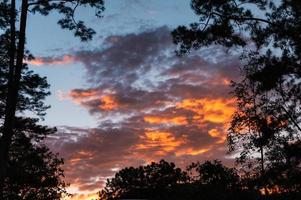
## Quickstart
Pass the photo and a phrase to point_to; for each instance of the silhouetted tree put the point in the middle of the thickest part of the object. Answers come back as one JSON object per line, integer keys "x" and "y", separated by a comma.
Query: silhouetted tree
{"x": 214, "y": 173}
{"x": 32, "y": 171}
{"x": 153, "y": 181}
{"x": 262, "y": 132}
{"x": 218, "y": 182}
{"x": 17, "y": 49}
{"x": 268, "y": 115}
{"x": 208, "y": 180}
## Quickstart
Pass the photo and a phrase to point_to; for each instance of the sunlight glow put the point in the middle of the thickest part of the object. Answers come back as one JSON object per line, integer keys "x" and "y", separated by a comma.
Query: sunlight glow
{"x": 66, "y": 59}
{"x": 191, "y": 151}
{"x": 180, "y": 120}
{"x": 209, "y": 110}
{"x": 108, "y": 103}
{"x": 162, "y": 142}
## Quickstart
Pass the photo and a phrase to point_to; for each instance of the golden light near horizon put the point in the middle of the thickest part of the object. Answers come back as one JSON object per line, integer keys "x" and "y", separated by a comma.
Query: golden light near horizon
{"x": 88, "y": 196}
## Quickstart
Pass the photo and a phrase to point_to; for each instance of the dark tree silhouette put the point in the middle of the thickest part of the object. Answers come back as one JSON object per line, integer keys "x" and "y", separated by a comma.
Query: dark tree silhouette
{"x": 268, "y": 112}
{"x": 33, "y": 171}
{"x": 214, "y": 173}
{"x": 153, "y": 181}
{"x": 17, "y": 51}
{"x": 208, "y": 180}
{"x": 260, "y": 125}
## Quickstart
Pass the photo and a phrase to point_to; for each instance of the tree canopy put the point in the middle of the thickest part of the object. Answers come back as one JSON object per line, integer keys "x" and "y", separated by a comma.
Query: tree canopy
{"x": 163, "y": 180}
{"x": 28, "y": 169}
{"x": 144, "y": 182}
{"x": 267, "y": 120}
{"x": 67, "y": 9}
{"x": 34, "y": 172}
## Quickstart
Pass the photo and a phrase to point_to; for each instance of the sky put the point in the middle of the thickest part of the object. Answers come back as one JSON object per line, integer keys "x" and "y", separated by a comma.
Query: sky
{"x": 125, "y": 98}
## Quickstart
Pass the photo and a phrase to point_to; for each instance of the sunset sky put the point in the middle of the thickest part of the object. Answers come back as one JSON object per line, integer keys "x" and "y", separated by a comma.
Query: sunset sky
{"x": 125, "y": 98}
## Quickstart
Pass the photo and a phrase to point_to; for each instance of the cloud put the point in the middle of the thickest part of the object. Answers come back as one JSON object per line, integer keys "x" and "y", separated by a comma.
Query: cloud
{"x": 150, "y": 103}
{"x": 91, "y": 157}
{"x": 209, "y": 110}
{"x": 64, "y": 60}
{"x": 153, "y": 119}
{"x": 159, "y": 142}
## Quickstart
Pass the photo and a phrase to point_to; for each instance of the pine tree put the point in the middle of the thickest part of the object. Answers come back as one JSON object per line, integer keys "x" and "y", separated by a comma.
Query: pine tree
{"x": 16, "y": 54}
{"x": 33, "y": 171}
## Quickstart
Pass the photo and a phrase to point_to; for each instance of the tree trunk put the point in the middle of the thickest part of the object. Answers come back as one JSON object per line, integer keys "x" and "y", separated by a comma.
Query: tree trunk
{"x": 12, "y": 53}
{"x": 263, "y": 178}
{"x": 262, "y": 160}
{"x": 13, "y": 85}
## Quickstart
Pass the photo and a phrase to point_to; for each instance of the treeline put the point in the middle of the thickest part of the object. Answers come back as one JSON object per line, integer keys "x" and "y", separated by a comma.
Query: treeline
{"x": 200, "y": 181}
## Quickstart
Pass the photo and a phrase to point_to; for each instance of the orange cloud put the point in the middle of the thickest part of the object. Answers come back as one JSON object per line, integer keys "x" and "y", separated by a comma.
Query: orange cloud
{"x": 108, "y": 102}
{"x": 80, "y": 94}
{"x": 66, "y": 59}
{"x": 226, "y": 82}
{"x": 214, "y": 132}
{"x": 191, "y": 151}
{"x": 162, "y": 142}
{"x": 180, "y": 120}
{"x": 83, "y": 97}
{"x": 218, "y": 111}
{"x": 76, "y": 158}
{"x": 209, "y": 110}
{"x": 217, "y": 134}
{"x": 206, "y": 110}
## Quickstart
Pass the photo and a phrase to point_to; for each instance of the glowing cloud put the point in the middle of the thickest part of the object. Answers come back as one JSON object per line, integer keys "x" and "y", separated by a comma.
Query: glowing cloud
{"x": 86, "y": 196}
{"x": 218, "y": 134}
{"x": 76, "y": 158}
{"x": 162, "y": 142}
{"x": 209, "y": 110}
{"x": 108, "y": 103}
{"x": 64, "y": 60}
{"x": 191, "y": 151}
{"x": 94, "y": 97}
{"x": 80, "y": 94}
{"x": 161, "y": 120}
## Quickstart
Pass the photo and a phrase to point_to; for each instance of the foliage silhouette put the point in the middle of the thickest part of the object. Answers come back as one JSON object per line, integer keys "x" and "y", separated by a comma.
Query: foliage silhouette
{"x": 33, "y": 171}
{"x": 214, "y": 173}
{"x": 208, "y": 180}
{"x": 16, "y": 53}
{"x": 144, "y": 182}
{"x": 267, "y": 120}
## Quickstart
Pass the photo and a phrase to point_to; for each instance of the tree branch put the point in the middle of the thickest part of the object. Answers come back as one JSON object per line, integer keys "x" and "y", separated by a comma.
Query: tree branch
{"x": 243, "y": 18}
